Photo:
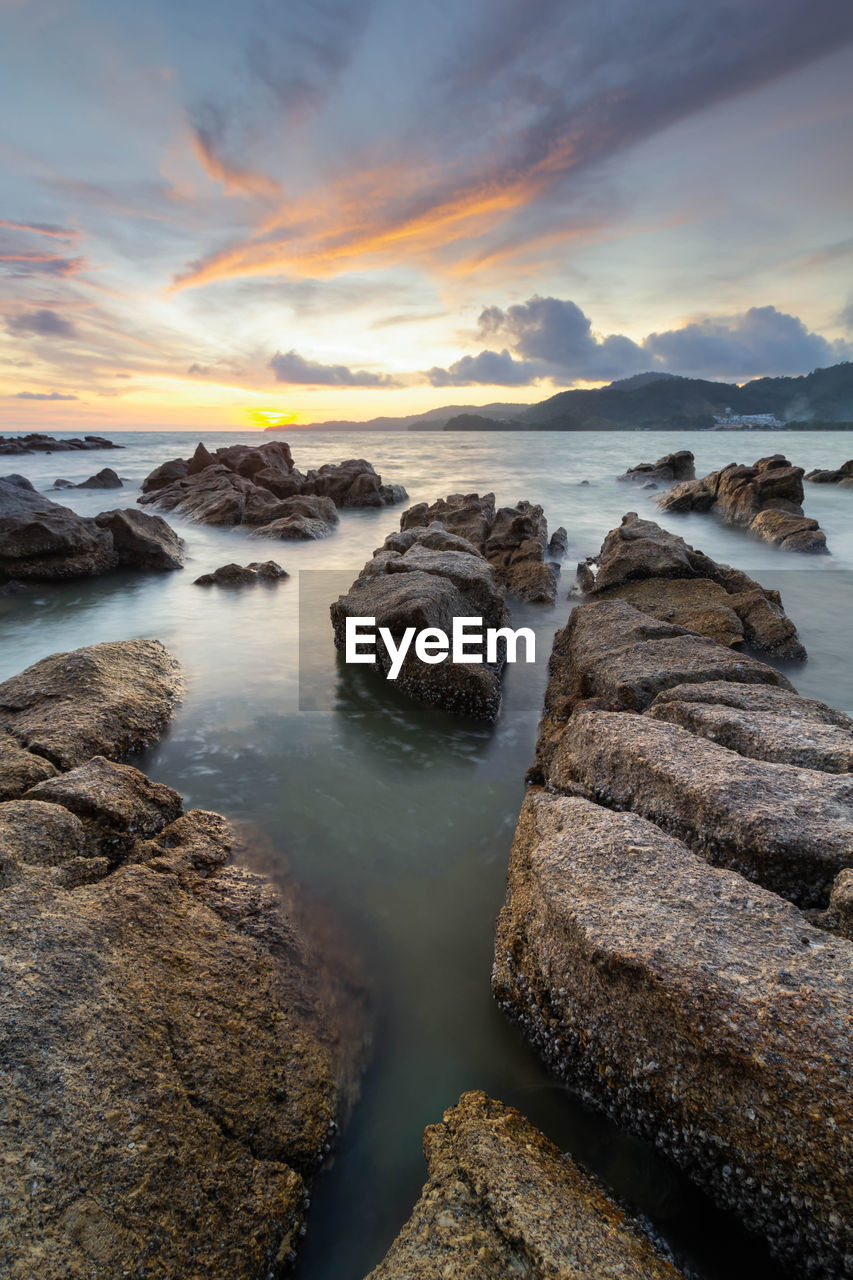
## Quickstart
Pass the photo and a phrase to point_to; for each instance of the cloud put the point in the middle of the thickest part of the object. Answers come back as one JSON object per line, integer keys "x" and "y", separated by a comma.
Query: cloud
{"x": 557, "y": 334}
{"x": 531, "y": 99}
{"x": 295, "y": 369}
{"x": 761, "y": 341}
{"x": 45, "y": 323}
{"x": 489, "y": 368}
{"x": 552, "y": 338}
{"x": 301, "y": 55}
{"x": 43, "y": 395}
{"x": 209, "y": 128}
{"x": 846, "y": 317}
{"x": 203, "y": 369}
{"x": 41, "y": 229}
{"x": 22, "y": 266}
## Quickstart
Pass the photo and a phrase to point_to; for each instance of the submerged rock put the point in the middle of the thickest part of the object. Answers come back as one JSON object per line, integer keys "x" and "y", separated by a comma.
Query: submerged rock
{"x": 37, "y": 442}
{"x": 105, "y": 479}
{"x": 41, "y": 541}
{"x": 236, "y": 575}
{"x": 502, "y": 1201}
{"x": 842, "y": 476}
{"x": 259, "y": 486}
{"x": 766, "y": 498}
{"x": 659, "y": 573}
{"x": 700, "y": 1011}
{"x": 672, "y": 466}
{"x": 108, "y": 699}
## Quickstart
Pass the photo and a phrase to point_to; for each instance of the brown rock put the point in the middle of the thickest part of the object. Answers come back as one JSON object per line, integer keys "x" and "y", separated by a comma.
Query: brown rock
{"x": 697, "y": 604}
{"x": 787, "y": 828}
{"x": 235, "y": 575}
{"x": 789, "y": 531}
{"x": 105, "y": 479}
{"x": 20, "y": 769}
{"x": 106, "y": 699}
{"x": 142, "y": 541}
{"x": 672, "y": 466}
{"x": 502, "y": 1201}
{"x": 698, "y": 1010}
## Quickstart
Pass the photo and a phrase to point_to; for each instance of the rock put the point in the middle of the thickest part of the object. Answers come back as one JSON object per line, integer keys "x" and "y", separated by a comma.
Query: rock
{"x": 20, "y": 769}
{"x": 842, "y": 475}
{"x": 259, "y": 486}
{"x": 661, "y": 574}
{"x": 235, "y": 575}
{"x": 514, "y": 540}
{"x": 763, "y": 723}
{"x": 789, "y": 829}
{"x": 672, "y": 466}
{"x": 698, "y": 1010}
{"x": 116, "y": 803}
{"x": 502, "y": 1201}
{"x": 105, "y": 479}
{"x": 172, "y": 1073}
{"x": 108, "y": 699}
{"x": 62, "y": 484}
{"x": 36, "y": 833}
{"x": 37, "y": 442}
{"x": 766, "y": 498}
{"x": 425, "y": 599}
{"x": 472, "y": 576}
{"x": 838, "y": 916}
{"x": 558, "y": 544}
{"x": 141, "y": 541}
{"x": 42, "y": 541}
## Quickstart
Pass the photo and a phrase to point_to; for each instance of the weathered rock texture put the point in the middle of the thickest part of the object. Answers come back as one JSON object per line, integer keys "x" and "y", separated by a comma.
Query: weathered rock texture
{"x": 700, "y": 1011}
{"x": 502, "y": 1201}
{"x": 426, "y": 577}
{"x": 514, "y": 540}
{"x": 108, "y": 699}
{"x": 660, "y": 574}
{"x": 172, "y": 1060}
{"x": 259, "y": 486}
{"x": 647, "y": 948}
{"x": 843, "y": 476}
{"x": 237, "y": 575}
{"x": 36, "y": 442}
{"x": 43, "y": 541}
{"x": 671, "y": 467}
{"x": 765, "y": 498}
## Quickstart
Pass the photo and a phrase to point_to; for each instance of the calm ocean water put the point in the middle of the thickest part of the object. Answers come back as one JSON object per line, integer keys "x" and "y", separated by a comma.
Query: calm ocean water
{"x": 397, "y": 818}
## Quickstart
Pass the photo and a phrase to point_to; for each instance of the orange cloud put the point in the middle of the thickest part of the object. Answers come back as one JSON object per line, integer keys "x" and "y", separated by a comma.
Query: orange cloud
{"x": 233, "y": 178}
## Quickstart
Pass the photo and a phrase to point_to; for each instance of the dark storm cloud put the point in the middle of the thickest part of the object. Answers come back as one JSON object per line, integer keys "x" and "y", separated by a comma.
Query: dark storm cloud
{"x": 761, "y": 341}
{"x": 552, "y": 338}
{"x": 489, "y": 368}
{"x": 43, "y": 395}
{"x": 44, "y": 323}
{"x": 294, "y": 369}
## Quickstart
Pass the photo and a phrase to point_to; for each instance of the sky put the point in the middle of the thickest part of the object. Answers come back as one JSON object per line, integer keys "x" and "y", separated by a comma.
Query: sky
{"x": 227, "y": 214}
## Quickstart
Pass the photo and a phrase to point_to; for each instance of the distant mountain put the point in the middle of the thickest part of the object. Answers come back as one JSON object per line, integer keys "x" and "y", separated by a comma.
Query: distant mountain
{"x": 667, "y": 402}
{"x": 432, "y": 420}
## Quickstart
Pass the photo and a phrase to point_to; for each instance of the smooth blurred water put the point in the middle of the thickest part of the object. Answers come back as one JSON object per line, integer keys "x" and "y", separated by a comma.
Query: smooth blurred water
{"x": 394, "y": 816}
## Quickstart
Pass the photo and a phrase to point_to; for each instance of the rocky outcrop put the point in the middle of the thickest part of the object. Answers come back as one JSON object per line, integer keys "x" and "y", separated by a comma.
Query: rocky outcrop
{"x": 765, "y": 498}
{"x": 108, "y": 699}
{"x": 259, "y": 486}
{"x": 36, "y": 442}
{"x": 425, "y": 577}
{"x": 237, "y": 575}
{"x": 842, "y": 476}
{"x": 650, "y": 947}
{"x": 502, "y": 1201}
{"x": 659, "y": 573}
{"x": 700, "y": 1011}
{"x": 174, "y": 1047}
{"x": 41, "y": 541}
{"x": 669, "y": 468}
{"x": 104, "y": 479}
{"x": 514, "y": 540}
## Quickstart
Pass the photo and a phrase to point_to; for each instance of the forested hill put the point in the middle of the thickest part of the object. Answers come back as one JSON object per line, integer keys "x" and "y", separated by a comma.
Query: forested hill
{"x": 674, "y": 402}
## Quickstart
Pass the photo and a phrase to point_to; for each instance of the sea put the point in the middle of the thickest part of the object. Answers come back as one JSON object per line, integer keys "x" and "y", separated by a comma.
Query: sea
{"x": 395, "y": 819}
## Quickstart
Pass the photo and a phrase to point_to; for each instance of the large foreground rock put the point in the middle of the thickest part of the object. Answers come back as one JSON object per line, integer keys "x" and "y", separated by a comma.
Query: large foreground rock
{"x": 259, "y": 486}
{"x": 108, "y": 699}
{"x": 502, "y": 1201}
{"x": 789, "y": 829}
{"x": 514, "y": 540}
{"x": 765, "y": 498}
{"x": 664, "y": 576}
{"x": 171, "y": 1069}
{"x": 702, "y": 1012}
{"x": 41, "y": 541}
